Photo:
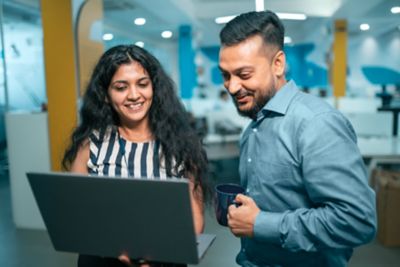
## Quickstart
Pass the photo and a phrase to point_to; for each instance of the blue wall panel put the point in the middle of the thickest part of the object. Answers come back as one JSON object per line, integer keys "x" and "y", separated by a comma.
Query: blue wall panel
{"x": 187, "y": 68}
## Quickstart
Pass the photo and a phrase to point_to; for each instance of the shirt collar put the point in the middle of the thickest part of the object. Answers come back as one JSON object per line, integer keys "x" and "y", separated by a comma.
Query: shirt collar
{"x": 279, "y": 103}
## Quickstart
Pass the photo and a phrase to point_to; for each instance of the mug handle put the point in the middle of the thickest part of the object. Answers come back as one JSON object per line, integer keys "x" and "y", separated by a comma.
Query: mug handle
{"x": 237, "y": 204}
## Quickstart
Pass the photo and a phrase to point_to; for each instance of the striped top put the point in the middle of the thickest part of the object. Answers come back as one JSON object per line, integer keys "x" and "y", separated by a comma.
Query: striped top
{"x": 112, "y": 155}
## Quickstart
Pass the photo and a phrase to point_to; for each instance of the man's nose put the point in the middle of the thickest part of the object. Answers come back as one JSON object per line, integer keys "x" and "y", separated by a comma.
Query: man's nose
{"x": 233, "y": 86}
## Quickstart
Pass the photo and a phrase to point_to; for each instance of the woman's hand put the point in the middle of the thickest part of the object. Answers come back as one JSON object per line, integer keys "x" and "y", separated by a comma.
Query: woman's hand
{"x": 126, "y": 260}
{"x": 197, "y": 208}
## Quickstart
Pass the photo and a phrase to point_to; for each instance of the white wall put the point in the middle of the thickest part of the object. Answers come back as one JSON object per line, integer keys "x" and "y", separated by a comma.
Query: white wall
{"x": 25, "y": 66}
{"x": 367, "y": 50}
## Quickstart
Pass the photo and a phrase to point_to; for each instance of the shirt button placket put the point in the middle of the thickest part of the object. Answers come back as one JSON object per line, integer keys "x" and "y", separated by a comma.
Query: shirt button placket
{"x": 254, "y": 131}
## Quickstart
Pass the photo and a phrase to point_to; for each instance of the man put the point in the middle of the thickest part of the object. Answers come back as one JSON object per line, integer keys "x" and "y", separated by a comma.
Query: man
{"x": 307, "y": 199}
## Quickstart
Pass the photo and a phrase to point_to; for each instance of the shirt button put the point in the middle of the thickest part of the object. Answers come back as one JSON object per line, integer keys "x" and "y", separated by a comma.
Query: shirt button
{"x": 255, "y": 130}
{"x": 249, "y": 159}
{"x": 247, "y": 190}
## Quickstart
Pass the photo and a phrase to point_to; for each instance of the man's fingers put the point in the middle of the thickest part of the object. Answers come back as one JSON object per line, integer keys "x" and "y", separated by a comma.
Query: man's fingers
{"x": 243, "y": 199}
{"x": 237, "y": 231}
{"x": 231, "y": 208}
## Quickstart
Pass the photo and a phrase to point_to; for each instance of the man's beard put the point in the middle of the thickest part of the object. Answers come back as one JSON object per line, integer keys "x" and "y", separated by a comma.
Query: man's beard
{"x": 258, "y": 103}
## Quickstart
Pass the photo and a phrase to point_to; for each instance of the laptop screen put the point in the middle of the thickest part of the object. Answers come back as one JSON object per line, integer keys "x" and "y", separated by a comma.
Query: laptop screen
{"x": 105, "y": 216}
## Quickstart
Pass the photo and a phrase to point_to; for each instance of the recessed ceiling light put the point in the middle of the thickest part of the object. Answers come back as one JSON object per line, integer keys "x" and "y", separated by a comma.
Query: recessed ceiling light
{"x": 140, "y": 44}
{"x": 226, "y": 19}
{"x": 287, "y": 40}
{"x": 395, "y": 9}
{"x": 166, "y": 34}
{"x": 364, "y": 27}
{"x": 108, "y": 36}
{"x": 292, "y": 16}
{"x": 140, "y": 21}
{"x": 259, "y": 5}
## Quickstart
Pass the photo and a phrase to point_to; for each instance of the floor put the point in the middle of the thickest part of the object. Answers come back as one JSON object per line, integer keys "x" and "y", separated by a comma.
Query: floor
{"x": 20, "y": 248}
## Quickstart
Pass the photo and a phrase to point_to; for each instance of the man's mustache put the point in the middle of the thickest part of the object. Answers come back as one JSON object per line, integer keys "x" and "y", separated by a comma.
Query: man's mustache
{"x": 241, "y": 93}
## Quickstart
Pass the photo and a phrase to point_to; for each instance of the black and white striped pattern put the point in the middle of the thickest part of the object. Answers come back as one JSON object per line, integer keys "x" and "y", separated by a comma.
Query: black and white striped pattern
{"x": 111, "y": 155}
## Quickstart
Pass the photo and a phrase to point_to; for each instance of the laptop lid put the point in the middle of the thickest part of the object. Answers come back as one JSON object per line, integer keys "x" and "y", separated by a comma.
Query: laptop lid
{"x": 105, "y": 216}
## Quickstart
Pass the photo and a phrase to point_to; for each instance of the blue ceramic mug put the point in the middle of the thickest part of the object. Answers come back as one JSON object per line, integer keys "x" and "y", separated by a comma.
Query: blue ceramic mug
{"x": 225, "y": 196}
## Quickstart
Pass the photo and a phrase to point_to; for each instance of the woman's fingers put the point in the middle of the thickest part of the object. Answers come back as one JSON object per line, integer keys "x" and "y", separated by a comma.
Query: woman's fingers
{"x": 125, "y": 259}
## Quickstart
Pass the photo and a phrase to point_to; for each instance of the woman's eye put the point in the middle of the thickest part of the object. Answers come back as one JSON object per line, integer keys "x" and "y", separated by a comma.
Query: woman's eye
{"x": 119, "y": 87}
{"x": 143, "y": 85}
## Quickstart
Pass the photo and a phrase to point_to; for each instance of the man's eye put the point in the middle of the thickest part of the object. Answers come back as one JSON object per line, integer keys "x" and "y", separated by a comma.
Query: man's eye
{"x": 225, "y": 76}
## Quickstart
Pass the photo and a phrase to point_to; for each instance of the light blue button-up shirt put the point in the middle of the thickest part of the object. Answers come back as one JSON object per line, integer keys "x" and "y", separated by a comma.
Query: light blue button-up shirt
{"x": 300, "y": 163}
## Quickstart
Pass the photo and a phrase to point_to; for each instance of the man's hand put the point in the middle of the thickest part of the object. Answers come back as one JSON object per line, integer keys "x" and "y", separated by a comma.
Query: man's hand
{"x": 241, "y": 219}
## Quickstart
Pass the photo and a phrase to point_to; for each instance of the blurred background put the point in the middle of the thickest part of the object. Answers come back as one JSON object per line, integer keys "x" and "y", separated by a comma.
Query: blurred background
{"x": 344, "y": 51}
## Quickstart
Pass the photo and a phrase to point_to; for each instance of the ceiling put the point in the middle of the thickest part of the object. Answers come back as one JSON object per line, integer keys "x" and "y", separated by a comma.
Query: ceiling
{"x": 170, "y": 14}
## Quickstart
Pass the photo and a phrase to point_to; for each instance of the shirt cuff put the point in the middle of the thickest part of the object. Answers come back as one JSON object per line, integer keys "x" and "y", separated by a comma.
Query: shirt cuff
{"x": 266, "y": 227}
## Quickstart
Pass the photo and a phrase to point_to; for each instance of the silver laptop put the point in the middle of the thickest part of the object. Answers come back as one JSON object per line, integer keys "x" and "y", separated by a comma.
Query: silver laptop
{"x": 105, "y": 216}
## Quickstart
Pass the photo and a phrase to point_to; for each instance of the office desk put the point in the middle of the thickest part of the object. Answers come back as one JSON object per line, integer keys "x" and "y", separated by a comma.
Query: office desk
{"x": 220, "y": 147}
{"x": 379, "y": 150}
{"x": 223, "y": 155}
{"x": 379, "y": 147}
{"x": 395, "y": 111}
{"x": 228, "y": 146}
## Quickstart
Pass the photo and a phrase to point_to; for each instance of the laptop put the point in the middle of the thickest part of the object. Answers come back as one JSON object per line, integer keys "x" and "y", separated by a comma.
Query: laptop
{"x": 106, "y": 216}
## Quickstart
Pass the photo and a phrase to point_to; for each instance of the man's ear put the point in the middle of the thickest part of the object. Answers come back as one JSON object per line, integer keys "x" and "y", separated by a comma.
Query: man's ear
{"x": 279, "y": 64}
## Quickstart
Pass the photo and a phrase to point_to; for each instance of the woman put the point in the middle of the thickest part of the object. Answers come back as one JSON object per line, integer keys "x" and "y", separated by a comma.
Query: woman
{"x": 133, "y": 125}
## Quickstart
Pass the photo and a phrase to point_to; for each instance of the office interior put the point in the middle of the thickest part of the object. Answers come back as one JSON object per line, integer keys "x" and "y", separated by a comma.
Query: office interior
{"x": 346, "y": 52}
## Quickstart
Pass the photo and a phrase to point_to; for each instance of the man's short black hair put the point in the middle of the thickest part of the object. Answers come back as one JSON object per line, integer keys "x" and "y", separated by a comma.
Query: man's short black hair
{"x": 265, "y": 23}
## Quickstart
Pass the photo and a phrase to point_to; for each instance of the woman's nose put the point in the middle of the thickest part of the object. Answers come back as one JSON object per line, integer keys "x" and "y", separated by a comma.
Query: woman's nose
{"x": 133, "y": 93}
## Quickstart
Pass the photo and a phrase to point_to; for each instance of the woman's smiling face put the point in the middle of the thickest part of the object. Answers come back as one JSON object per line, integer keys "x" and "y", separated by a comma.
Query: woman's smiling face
{"x": 131, "y": 94}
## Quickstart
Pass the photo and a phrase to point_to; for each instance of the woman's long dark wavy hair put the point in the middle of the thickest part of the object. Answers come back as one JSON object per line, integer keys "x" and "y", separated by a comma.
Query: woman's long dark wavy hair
{"x": 169, "y": 122}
